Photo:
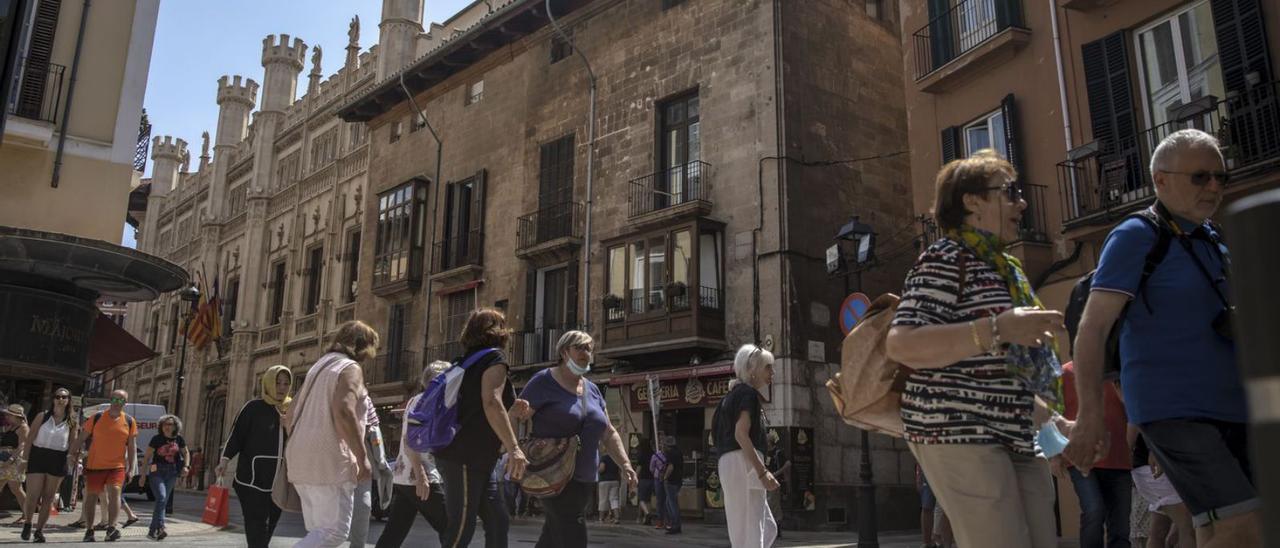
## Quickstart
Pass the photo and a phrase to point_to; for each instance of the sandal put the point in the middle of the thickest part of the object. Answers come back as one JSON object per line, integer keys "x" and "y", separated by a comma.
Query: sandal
{"x": 129, "y": 522}
{"x": 78, "y": 524}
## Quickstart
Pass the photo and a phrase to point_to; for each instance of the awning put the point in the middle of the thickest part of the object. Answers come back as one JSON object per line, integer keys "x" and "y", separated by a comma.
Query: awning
{"x": 111, "y": 345}
{"x": 709, "y": 370}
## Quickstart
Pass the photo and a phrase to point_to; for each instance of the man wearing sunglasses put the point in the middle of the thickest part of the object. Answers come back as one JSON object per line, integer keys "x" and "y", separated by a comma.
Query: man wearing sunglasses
{"x": 112, "y": 460}
{"x": 1178, "y": 369}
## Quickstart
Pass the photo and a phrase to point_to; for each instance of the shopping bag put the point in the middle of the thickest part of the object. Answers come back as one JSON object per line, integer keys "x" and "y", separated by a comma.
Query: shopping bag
{"x": 216, "y": 504}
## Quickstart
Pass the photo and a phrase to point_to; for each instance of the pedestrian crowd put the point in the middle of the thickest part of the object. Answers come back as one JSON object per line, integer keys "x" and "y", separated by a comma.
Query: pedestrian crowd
{"x": 1132, "y": 395}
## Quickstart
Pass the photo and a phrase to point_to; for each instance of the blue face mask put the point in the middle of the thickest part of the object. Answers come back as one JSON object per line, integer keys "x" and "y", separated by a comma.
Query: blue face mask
{"x": 577, "y": 369}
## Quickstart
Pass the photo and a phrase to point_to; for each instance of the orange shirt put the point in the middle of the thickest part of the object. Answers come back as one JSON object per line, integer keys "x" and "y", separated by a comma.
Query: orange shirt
{"x": 1113, "y": 416}
{"x": 107, "y": 451}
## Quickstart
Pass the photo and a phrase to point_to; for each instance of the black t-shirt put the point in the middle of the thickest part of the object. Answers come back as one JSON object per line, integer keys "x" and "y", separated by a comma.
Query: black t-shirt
{"x": 167, "y": 450}
{"x": 675, "y": 459}
{"x": 741, "y": 398}
{"x": 475, "y": 442}
{"x": 1140, "y": 453}
{"x": 610, "y": 472}
{"x": 643, "y": 471}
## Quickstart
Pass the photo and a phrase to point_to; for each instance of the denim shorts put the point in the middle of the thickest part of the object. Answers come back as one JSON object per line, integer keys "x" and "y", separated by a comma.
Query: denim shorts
{"x": 1208, "y": 463}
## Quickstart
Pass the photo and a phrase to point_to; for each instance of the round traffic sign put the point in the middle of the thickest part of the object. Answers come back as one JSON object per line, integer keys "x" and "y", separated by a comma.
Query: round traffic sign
{"x": 852, "y": 311}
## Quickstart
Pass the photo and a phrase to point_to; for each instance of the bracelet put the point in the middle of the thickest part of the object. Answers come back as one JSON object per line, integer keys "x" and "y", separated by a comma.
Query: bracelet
{"x": 977, "y": 340}
{"x": 995, "y": 333}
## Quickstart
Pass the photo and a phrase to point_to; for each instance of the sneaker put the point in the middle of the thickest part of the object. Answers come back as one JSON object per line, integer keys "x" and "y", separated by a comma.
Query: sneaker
{"x": 163, "y": 534}
{"x": 88, "y": 536}
{"x": 113, "y": 534}
{"x": 39, "y": 537}
{"x": 151, "y": 534}
{"x": 26, "y": 531}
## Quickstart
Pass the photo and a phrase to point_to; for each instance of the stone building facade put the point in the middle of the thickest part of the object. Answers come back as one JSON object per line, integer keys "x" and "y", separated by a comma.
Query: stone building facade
{"x": 733, "y": 139}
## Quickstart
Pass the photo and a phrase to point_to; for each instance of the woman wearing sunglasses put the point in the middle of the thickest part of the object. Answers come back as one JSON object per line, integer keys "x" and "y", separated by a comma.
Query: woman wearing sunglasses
{"x": 52, "y": 434}
{"x": 982, "y": 350}
{"x": 166, "y": 461}
{"x": 739, "y": 434}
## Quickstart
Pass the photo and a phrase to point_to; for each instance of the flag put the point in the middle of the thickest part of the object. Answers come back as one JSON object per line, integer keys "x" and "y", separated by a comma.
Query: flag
{"x": 199, "y": 330}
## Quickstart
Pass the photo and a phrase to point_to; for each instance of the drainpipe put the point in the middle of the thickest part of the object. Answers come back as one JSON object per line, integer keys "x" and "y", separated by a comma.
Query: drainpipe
{"x": 591, "y": 157}
{"x": 1062, "y": 79}
{"x": 435, "y": 204}
{"x": 71, "y": 91}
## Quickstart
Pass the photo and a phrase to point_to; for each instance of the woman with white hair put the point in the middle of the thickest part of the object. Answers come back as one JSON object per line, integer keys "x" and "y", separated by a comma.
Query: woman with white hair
{"x": 563, "y": 404}
{"x": 417, "y": 484}
{"x": 166, "y": 460}
{"x": 739, "y": 435}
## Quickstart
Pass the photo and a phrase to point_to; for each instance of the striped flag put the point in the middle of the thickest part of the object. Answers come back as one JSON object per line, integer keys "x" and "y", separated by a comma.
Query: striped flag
{"x": 206, "y": 325}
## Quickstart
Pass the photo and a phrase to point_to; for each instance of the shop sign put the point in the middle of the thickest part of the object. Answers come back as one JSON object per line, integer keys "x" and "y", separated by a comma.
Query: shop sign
{"x": 682, "y": 393}
{"x": 797, "y": 485}
{"x": 709, "y": 472}
{"x": 46, "y": 329}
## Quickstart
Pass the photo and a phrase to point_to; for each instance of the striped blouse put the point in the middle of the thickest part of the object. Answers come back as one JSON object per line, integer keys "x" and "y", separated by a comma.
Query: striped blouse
{"x": 974, "y": 400}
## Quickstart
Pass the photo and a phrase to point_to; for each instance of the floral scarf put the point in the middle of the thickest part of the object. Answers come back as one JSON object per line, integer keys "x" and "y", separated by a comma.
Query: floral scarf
{"x": 1039, "y": 368}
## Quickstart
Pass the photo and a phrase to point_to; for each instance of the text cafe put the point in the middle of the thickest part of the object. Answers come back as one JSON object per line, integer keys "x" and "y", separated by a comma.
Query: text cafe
{"x": 687, "y": 400}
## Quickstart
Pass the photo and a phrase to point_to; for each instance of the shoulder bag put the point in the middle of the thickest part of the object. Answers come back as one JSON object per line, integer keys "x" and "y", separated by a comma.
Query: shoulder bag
{"x": 552, "y": 461}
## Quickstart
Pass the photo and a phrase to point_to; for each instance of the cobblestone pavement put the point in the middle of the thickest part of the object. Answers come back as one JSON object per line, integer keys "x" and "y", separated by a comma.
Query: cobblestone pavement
{"x": 187, "y": 529}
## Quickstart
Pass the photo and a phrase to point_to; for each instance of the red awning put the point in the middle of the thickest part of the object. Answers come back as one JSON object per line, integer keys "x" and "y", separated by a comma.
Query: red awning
{"x": 111, "y": 345}
{"x": 715, "y": 369}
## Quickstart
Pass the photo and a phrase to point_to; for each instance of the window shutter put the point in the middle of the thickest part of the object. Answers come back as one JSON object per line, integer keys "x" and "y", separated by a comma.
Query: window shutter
{"x": 940, "y": 46}
{"x": 1253, "y": 109}
{"x": 950, "y": 144}
{"x": 530, "y": 299}
{"x": 477, "y": 201}
{"x": 1013, "y": 148}
{"x": 571, "y": 295}
{"x": 44, "y": 29}
{"x": 1111, "y": 112}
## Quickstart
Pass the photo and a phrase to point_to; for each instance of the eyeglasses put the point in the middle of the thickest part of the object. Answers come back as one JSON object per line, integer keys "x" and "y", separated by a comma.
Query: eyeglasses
{"x": 1012, "y": 191}
{"x": 1201, "y": 178}
{"x": 118, "y": 400}
{"x": 586, "y": 347}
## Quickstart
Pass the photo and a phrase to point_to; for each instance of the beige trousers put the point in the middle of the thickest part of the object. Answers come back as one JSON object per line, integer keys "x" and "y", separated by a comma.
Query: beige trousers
{"x": 992, "y": 496}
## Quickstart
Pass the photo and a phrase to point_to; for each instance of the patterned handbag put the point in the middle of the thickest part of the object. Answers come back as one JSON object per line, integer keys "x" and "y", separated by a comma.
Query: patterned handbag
{"x": 552, "y": 461}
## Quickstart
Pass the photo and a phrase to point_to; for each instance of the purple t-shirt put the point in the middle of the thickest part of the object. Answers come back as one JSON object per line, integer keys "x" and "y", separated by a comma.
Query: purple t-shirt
{"x": 559, "y": 413}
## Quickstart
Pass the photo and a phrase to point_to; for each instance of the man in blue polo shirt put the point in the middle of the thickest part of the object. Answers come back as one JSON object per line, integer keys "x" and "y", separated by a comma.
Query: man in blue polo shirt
{"x": 1178, "y": 374}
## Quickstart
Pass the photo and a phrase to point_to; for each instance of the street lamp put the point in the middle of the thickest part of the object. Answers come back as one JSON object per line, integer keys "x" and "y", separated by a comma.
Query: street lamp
{"x": 191, "y": 294}
{"x": 863, "y": 238}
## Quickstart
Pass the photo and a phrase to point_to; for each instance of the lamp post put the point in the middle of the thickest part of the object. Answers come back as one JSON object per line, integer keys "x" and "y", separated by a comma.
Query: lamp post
{"x": 191, "y": 294}
{"x": 863, "y": 239}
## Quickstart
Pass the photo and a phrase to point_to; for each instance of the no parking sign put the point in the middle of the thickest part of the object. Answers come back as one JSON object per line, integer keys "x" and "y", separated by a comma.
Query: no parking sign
{"x": 852, "y": 311}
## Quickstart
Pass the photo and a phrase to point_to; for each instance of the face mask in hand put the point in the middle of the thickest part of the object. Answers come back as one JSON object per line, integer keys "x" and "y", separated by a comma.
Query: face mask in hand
{"x": 577, "y": 369}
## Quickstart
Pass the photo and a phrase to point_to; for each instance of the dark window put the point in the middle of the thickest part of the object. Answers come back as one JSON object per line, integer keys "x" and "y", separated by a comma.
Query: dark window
{"x": 154, "y": 338}
{"x": 231, "y": 305}
{"x": 1111, "y": 111}
{"x": 464, "y": 217}
{"x": 668, "y": 4}
{"x": 555, "y": 189}
{"x": 396, "y": 129}
{"x": 315, "y": 271}
{"x": 277, "y": 287}
{"x": 398, "y": 243}
{"x": 352, "y": 259}
{"x": 560, "y": 48}
{"x": 460, "y": 306}
{"x": 679, "y": 146}
{"x": 395, "y": 342}
{"x": 173, "y": 326}
{"x": 34, "y": 95}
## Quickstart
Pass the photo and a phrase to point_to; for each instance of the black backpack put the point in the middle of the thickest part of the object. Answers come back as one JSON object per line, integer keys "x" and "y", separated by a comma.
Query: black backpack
{"x": 1080, "y": 293}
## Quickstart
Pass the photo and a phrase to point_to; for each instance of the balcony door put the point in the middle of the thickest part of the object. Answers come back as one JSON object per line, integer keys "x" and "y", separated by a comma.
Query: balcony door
{"x": 555, "y": 189}
{"x": 1180, "y": 71}
{"x": 680, "y": 146}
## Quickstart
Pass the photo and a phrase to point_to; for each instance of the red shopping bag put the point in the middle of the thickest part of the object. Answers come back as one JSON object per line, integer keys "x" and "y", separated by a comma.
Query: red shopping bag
{"x": 215, "y": 506}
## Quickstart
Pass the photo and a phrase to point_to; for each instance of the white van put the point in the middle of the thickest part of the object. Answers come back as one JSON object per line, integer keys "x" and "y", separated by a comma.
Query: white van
{"x": 147, "y": 417}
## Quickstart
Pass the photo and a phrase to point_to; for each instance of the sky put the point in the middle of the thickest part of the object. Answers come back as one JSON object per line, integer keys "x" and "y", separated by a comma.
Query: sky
{"x": 198, "y": 41}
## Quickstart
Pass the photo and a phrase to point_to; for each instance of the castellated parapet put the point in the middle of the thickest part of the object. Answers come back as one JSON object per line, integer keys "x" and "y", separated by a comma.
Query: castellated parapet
{"x": 237, "y": 89}
{"x": 281, "y": 52}
{"x": 168, "y": 148}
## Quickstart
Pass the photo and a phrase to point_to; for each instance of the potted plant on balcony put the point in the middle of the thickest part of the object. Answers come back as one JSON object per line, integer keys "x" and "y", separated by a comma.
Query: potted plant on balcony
{"x": 676, "y": 289}
{"x": 612, "y": 302}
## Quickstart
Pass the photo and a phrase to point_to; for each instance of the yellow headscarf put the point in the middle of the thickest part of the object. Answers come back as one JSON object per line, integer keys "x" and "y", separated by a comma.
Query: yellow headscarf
{"x": 269, "y": 394}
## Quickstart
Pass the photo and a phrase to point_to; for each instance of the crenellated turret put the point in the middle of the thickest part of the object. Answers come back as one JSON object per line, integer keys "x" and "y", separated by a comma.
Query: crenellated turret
{"x": 281, "y": 63}
{"x": 167, "y": 153}
{"x": 236, "y": 97}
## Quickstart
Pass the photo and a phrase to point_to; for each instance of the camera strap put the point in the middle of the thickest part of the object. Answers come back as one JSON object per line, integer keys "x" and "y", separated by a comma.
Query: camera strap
{"x": 1185, "y": 241}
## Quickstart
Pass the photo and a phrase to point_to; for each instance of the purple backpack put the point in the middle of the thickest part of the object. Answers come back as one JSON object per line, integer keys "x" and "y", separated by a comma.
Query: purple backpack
{"x": 433, "y": 421}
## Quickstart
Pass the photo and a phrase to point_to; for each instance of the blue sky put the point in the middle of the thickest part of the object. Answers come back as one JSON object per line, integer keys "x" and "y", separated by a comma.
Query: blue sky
{"x": 199, "y": 41}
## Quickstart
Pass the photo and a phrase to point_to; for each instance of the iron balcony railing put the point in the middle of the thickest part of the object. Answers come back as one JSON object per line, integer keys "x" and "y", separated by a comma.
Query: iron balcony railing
{"x": 1035, "y": 225}
{"x": 674, "y": 298}
{"x": 538, "y": 345}
{"x": 961, "y": 28}
{"x": 1106, "y": 179}
{"x": 550, "y": 223}
{"x": 39, "y": 97}
{"x": 447, "y": 352}
{"x": 670, "y": 187}
{"x": 459, "y": 251}
{"x": 140, "y": 151}
{"x": 394, "y": 367}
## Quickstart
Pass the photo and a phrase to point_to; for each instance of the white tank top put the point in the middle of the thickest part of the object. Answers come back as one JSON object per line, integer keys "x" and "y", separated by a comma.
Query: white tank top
{"x": 316, "y": 454}
{"x": 53, "y": 435}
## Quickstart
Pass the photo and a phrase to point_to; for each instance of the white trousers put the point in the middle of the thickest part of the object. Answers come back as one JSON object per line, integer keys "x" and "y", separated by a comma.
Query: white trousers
{"x": 608, "y": 495}
{"x": 326, "y": 511}
{"x": 746, "y": 508}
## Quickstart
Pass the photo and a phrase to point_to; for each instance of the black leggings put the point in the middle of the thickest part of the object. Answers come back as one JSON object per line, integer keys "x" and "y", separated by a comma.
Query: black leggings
{"x": 260, "y": 516}
{"x": 405, "y": 507}
{"x": 565, "y": 525}
{"x": 465, "y": 490}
